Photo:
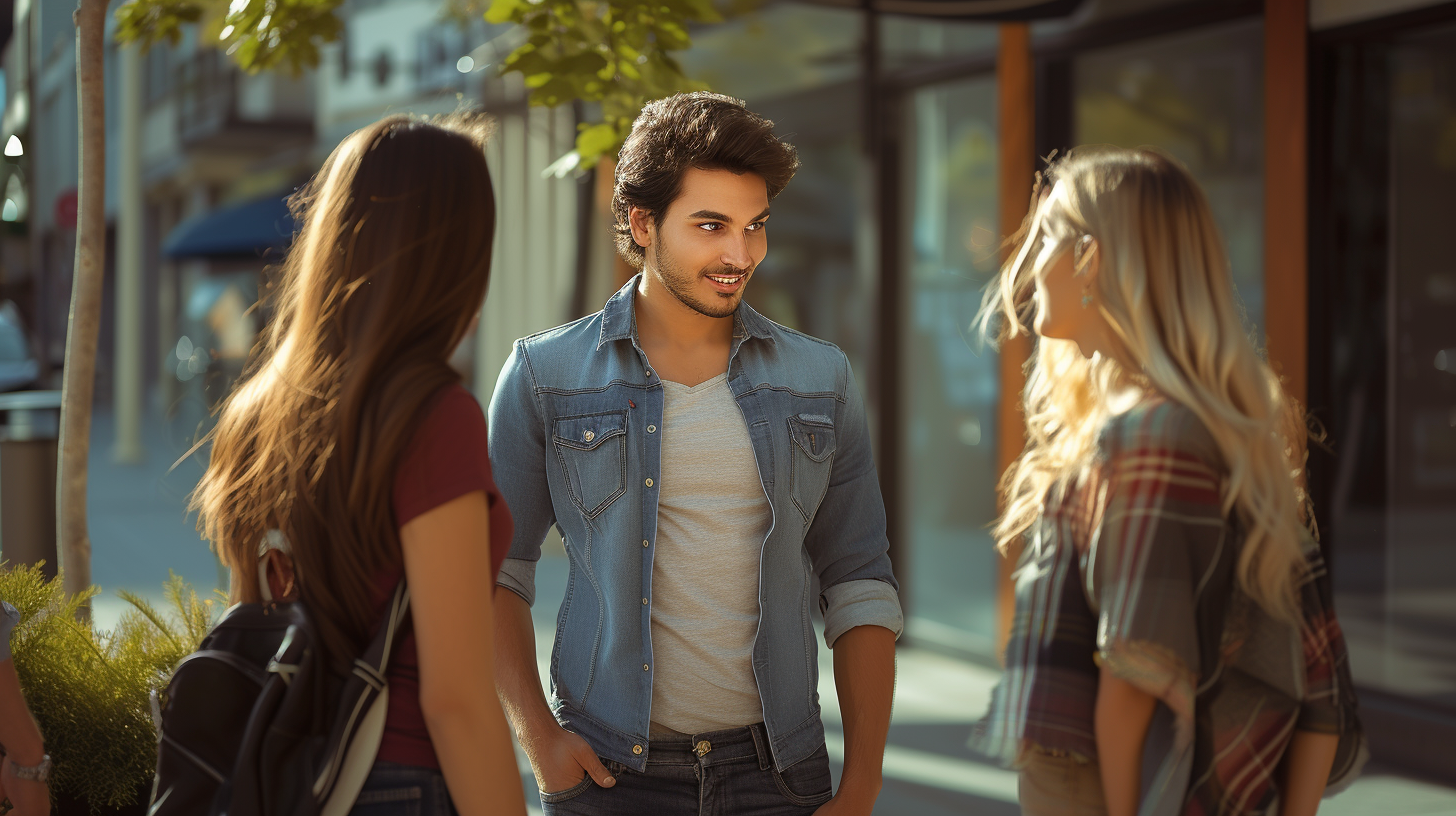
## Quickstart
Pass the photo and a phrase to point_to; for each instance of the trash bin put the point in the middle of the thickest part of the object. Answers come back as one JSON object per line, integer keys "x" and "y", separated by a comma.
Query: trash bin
{"x": 31, "y": 426}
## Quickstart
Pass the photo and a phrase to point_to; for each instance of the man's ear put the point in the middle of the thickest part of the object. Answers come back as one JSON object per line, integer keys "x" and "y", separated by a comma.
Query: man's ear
{"x": 643, "y": 227}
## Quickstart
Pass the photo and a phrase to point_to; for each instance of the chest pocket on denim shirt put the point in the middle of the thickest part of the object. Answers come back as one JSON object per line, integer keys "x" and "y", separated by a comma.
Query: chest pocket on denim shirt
{"x": 592, "y": 451}
{"x": 810, "y": 461}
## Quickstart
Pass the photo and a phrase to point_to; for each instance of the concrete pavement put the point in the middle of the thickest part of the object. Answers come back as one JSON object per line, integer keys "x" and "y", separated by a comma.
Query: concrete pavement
{"x": 140, "y": 530}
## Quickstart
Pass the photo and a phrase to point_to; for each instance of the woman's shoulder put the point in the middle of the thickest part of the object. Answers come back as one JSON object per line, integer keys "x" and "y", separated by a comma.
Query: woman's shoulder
{"x": 454, "y": 402}
{"x": 451, "y": 424}
{"x": 1160, "y": 424}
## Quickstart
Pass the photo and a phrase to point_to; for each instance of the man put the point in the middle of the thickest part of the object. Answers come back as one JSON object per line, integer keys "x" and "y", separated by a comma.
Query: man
{"x": 699, "y": 461}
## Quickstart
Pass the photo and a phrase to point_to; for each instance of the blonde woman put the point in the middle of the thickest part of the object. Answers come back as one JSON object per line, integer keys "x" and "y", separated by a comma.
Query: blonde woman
{"x": 1174, "y": 649}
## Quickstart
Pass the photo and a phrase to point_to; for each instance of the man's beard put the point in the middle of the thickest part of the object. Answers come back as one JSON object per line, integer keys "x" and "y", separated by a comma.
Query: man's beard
{"x": 682, "y": 284}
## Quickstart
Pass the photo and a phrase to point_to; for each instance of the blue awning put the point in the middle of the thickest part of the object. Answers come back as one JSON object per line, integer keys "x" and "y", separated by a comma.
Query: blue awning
{"x": 248, "y": 230}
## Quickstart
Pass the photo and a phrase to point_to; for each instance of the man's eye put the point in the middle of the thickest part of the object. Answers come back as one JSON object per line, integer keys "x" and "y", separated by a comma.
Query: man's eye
{"x": 711, "y": 226}
{"x": 758, "y": 226}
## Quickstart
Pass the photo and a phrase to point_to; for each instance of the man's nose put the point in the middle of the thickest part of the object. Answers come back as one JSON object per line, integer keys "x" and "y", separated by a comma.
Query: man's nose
{"x": 736, "y": 254}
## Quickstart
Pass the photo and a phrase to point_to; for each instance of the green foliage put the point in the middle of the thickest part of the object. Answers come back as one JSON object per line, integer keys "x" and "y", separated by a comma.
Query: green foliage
{"x": 151, "y": 21}
{"x": 616, "y": 53}
{"x": 89, "y": 690}
{"x": 258, "y": 34}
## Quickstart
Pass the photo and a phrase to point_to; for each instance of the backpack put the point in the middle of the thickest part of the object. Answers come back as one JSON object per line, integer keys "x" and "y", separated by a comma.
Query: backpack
{"x": 257, "y": 723}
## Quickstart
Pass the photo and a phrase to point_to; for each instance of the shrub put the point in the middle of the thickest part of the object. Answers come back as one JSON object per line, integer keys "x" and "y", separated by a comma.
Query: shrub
{"x": 90, "y": 690}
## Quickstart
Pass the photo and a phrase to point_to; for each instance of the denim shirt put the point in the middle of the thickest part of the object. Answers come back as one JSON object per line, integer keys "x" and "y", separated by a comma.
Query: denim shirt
{"x": 574, "y": 442}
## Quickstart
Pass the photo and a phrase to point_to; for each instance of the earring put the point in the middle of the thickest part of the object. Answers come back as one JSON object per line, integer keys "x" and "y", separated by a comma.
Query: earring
{"x": 1086, "y": 298}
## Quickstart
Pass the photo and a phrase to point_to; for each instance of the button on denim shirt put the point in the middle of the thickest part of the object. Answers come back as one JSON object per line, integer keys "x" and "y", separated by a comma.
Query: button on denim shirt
{"x": 575, "y": 441}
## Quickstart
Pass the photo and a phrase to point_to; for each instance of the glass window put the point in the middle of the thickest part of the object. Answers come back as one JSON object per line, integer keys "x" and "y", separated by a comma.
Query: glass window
{"x": 1200, "y": 97}
{"x": 1420, "y": 642}
{"x": 1388, "y": 355}
{"x": 906, "y": 42}
{"x": 952, "y": 382}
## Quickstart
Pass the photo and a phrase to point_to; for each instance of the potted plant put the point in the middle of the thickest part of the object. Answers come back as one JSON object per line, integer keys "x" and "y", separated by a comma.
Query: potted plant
{"x": 90, "y": 689}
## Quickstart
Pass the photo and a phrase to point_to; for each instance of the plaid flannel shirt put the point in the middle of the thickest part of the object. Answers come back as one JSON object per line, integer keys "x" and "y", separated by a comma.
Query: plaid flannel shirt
{"x": 1134, "y": 567}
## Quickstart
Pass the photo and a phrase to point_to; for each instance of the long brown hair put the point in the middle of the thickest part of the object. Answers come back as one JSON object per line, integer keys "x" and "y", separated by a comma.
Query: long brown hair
{"x": 386, "y": 273}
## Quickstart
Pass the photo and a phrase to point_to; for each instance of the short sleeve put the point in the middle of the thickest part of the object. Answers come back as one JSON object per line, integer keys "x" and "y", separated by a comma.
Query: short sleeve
{"x": 9, "y": 619}
{"x": 448, "y": 457}
{"x": 1152, "y": 547}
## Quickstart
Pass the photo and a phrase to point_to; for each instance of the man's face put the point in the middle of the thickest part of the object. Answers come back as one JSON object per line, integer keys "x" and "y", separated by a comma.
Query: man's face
{"x": 710, "y": 240}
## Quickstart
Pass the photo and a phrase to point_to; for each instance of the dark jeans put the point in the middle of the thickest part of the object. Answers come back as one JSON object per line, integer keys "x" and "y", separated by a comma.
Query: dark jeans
{"x": 403, "y": 790}
{"x": 733, "y": 777}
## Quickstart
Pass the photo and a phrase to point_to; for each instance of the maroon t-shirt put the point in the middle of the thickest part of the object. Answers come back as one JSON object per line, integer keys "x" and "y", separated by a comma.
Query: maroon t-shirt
{"x": 447, "y": 458}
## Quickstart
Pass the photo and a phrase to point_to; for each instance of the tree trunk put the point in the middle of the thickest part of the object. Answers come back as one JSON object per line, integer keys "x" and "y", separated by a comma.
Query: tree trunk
{"x": 85, "y": 317}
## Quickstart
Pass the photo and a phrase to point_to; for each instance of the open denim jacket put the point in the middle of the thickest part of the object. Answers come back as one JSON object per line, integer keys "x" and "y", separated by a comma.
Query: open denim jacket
{"x": 574, "y": 442}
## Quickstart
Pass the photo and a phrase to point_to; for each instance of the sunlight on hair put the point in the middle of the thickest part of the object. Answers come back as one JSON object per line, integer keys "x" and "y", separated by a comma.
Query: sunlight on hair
{"x": 1167, "y": 293}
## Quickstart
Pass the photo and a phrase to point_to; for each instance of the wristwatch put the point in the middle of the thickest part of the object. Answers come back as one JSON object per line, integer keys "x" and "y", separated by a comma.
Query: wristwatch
{"x": 34, "y": 773}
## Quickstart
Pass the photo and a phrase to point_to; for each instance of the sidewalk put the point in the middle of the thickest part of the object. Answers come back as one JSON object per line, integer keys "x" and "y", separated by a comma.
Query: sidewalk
{"x": 139, "y": 530}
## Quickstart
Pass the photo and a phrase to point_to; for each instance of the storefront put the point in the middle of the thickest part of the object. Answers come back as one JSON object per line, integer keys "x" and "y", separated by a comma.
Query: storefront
{"x": 1382, "y": 364}
{"x": 1327, "y": 176}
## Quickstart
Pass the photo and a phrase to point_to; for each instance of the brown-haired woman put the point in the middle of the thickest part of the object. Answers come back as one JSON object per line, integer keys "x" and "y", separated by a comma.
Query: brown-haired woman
{"x": 352, "y": 437}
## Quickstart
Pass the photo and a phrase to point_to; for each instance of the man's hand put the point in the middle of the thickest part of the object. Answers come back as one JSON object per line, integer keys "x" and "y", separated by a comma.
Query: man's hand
{"x": 29, "y": 798}
{"x": 562, "y": 759}
{"x": 852, "y": 799}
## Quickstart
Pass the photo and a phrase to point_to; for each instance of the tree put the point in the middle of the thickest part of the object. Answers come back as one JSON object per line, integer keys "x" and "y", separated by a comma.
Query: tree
{"x": 85, "y": 317}
{"x": 616, "y": 53}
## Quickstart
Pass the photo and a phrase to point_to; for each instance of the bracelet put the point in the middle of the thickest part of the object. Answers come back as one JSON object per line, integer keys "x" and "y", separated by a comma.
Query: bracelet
{"x": 33, "y": 773}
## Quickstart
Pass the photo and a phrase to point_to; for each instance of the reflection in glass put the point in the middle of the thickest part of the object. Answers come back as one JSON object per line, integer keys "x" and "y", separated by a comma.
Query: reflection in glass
{"x": 907, "y": 42}
{"x": 952, "y": 383}
{"x": 1199, "y": 97}
{"x": 1420, "y": 631}
{"x": 1383, "y": 281}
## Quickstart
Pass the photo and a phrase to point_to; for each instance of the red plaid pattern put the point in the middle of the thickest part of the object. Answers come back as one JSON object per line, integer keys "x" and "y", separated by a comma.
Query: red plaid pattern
{"x": 1135, "y": 563}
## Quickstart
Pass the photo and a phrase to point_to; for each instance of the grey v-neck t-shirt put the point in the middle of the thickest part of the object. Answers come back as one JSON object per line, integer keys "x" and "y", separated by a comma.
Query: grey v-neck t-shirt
{"x": 712, "y": 519}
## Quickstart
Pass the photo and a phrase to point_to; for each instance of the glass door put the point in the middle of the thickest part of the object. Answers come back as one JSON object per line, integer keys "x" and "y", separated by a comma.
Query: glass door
{"x": 952, "y": 382}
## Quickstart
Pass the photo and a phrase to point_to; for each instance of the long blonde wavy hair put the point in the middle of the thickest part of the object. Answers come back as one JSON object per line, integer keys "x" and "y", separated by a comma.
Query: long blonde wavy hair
{"x": 1165, "y": 289}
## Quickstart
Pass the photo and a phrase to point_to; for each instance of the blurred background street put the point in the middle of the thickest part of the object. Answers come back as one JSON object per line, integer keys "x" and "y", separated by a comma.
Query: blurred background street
{"x": 1323, "y": 131}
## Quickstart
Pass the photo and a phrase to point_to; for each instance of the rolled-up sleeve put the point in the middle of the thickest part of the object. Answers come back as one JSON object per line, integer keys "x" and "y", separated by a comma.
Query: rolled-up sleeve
{"x": 519, "y": 576}
{"x": 866, "y": 602}
{"x": 847, "y": 540}
{"x": 518, "y": 460}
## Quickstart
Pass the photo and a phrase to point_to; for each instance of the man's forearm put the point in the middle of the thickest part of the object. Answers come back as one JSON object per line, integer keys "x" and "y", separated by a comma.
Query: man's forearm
{"x": 517, "y": 679}
{"x": 864, "y": 673}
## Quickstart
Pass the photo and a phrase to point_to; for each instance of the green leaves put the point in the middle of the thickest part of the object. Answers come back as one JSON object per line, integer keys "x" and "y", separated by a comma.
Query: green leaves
{"x": 258, "y": 34}
{"x": 614, "y": 53}
{"x": 266, "y": 34}
{"x": 148, "y": 22}
{"x": 90, "y": 690}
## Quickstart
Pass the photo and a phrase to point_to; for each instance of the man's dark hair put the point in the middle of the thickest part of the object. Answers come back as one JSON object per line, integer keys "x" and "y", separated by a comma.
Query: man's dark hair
{"x": 704, "y": 130}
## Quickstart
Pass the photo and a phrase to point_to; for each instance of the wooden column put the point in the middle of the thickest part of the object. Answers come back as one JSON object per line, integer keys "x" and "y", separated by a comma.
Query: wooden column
{"x": 1286, "y": 231}
{"x": 1015, "y": 118}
